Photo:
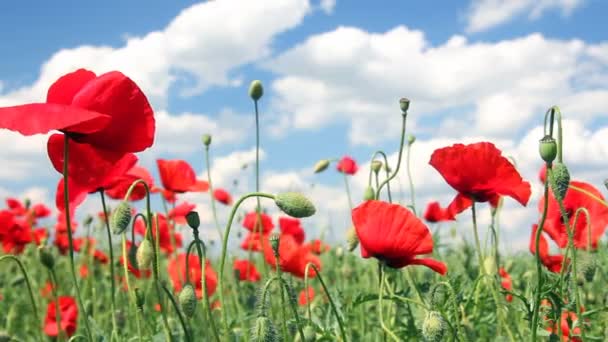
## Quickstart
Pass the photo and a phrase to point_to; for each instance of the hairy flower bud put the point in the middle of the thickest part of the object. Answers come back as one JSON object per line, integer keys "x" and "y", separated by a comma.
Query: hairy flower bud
{"x": 369, "y": 194}
{"x": 411, "y": 139}
{"x": 321, "y": 165}
{"x": 295, "y": 204}
{"x": 206, "y": 139}
{"x": 256, "y": 90}
{"x": 121, "y": 218}
{"x": 274, "y": 243}
{"x": 187, "y": 300}
{"x": 46, "y": 257}
{"x": 145, "y": 254}
{"x": 264, "y": 330}
{"x": 193, "y": 220}
{"x": 433, "y": 327}
{"x": 352, "y": 239}
{"x": 404, "y": 103}
{"x": 376, "y": 166}
{"x": 548, "y": 149}
{"x": 560, "y": 180}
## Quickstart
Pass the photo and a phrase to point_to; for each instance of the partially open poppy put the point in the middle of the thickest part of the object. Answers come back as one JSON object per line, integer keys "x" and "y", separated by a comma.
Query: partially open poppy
{"x": 347, "y": 165}
{"x": 293, "y": 257}
{"x": 394, "y": 235}
{"x": 306, "y": 295}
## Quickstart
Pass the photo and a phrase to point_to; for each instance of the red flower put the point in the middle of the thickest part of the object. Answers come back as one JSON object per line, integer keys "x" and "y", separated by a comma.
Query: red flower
{"x": 293, "y": 257}
{"x": 317, "y": 247}
{"x": 435, "y": 213}
{"x": 253, "y": 242}
{"x": 120, "y": 185}
{"x": 306, "y": 295}
{"x": 40, "y": 210}
{"x": 165, "y": 231}
{"x": 552, "y": 262}
{"x": 566, "y": 319}
{"x": 291, "y": 226}
{"x": 574, "y": 200}
{"x": 251, "y": 222}
{"x": 479, "y": 173}
{"x": 15, "y": 206}
{"x": 506, "y": 283}
{"x": 47, "y": 290}
{"x": 177, "y": 273}
{"x": 178, "y": 214}
{"x": 391, "y": 233}
{"x": 347, "y": 165}
{"x": 68, "y": 313}
{"x": 246, "y": 270}
{"x": 222, "y": 196}
{"x": 178, "y": 176}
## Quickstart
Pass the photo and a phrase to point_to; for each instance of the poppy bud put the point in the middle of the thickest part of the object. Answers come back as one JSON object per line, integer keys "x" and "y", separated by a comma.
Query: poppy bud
{"x": 369, "y": 194}
{"x": 433, "y": 327}
{"x": 206, "y": 139}
{"x": 274, "y": 243}
{"x": 404, "y": 103}
{"x": 352, "y": 239}
{"x": 376, "y": 166}
{"x": 121, "y": 218}
{"x": 187, "y": 300}
{"x": 586, "y": 265}
{"x": 46, "y": 257}
{"x": 264, "y": 330}
{"x": 548, "y": 149}
{"x": 489, "y": 265}
{"x": 140, "y": 299}
{"x": 321, "y": 165}
{"x": 295, "y": 204}
{"x": 193, "y": 219}
{"x": 411, "y": 139}
{"x": 145, "y": 254}
{"x": 560, "y": 181}
{"x": 256, "y": 90}
{"x": 88, "y": 220}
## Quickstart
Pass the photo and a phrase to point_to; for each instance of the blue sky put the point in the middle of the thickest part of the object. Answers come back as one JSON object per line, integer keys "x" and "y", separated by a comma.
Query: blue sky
{"x": 333, "y": 73}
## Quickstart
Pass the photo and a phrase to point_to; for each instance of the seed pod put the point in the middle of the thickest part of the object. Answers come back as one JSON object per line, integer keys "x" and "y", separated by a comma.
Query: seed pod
{"x": 433, "y": 327}
{"x": 295, "y": 204}
{"x": 193, "y": 220}
{"x": 548, "y": 149}
{"x": 256, "y": 90}
{"x": 352, "y": 239}
{"x": 121, "y": 218}
{"x": 264, "y": 330}
{"x": 411, "y": 139}
{"x": 46, "y": 257}
{"x": 404, "y": 103}
{"x": 369, "y": 194}
{"x": 206, "y": 139}
{"x": 187, "y": 300}
{"x": 321, "y": 165}
{"x": 560, "y": 180}
{"x": 145, "y": 254}
{"x": 489, "y": 265}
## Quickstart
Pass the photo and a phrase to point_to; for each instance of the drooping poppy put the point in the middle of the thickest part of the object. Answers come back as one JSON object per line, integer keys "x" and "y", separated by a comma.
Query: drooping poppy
{"x": 394, "y": 235}
{"x": 506, "y": 282}
{"x": 552, "y": 262}
{"x": 306, "y": 295}
{"x": 435, "y": 213}
{"x": 177, "y": 274}
{"x": 222, "y": 196}
{"x": 252, "y": 223}
{"x": 347, "y": 165}
{"x": 292, "y": 226}
{"x": 68, "y": 314}
{"x": 246, "y": 270}
{"x": 479, "y": 173}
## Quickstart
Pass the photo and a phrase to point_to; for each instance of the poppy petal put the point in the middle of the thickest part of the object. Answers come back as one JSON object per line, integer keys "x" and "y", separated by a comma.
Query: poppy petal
{"x": 68, "y": 85}
{"x": 433, "y": 264}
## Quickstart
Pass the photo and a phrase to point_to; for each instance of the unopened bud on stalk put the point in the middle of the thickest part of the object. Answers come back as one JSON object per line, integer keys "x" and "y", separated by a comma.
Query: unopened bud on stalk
{"x": 140, "y": 299}
{"x": 321, "y": 165}
{"x": 404, "y": 103}
{"x": 433, "y": 327}
{"x": 411, "y": 139}
{"x": 295, "y": 204}
{"x": 256, "y": 90}
{"x": 548, "y": 149}
{"x": 274, "y": 243}
{"x": 46, "y": 257}
{"x": 121, "y": 218}
{"x": 376, "y": 166}
{"x": 352, "y": 240}
{"x": 187, "y": 300}
{"x": 560, "y": 180}
{"x": 145, "y": 254}
{"x": 193, "y": 220}
{"x": 369, "y": 194}
{"x": 206, "y": 139}
{"x": 264, "y": 330}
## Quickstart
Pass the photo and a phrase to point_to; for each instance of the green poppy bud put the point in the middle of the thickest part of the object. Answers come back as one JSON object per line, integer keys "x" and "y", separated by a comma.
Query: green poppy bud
{"x": 376, "y": 166}
{"x": 321, "y": 165}
{"x": 560, "y": 180}
{"x": 404, "y": 103}
{"x": 256, "y": 90}
{"x": 295, "y": 204}
{"x": 264, "y": 330}
{"x": 193, "y": 220}
{"x": 187, "y": 300}
{"x": 433, "y": 327}
{"x": 121, "y": 218}
{"x": 352, "y": 240}
{"x": 145, "y": 254}
{"x": 206, "y": 139}
{"x": 46, "y": 257}
{"x": 274, "y": 243}
{"x": 411, "y": 139}
{"x": 369, "y": 194}
{"x": 548, "y": 149}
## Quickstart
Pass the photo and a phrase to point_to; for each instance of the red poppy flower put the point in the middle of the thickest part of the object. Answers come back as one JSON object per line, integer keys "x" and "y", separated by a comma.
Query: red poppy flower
{"x": 15, "y": 206}
{"x": 306, "y": 295}
{"x": 68, "y": 313}
{"x": 391, "y": 233}
{"x": 177, "y": 274}
{"x": 120, "y": 185}
{"x": 317, "y": 246}
{"x": 347, "y": 165}
{"x": 222, "y": 196}
{"x": 253, "y": 242}
{"x": 84, "y": 271}
{"x": 479, "y": 173}
{"x": 552, "y": 262}
{"x": 178, "y": 176}
{"x": 16, "y": 232}
{"x": 564, "y": 326}
{"x": 47, "y": 290}
{"x": 100, "y": 256}
{"x": 506, "y": 283}
{"x": 178, "y": 214}
{"x": 293, "y": 257}
{"x": 40, "y": 210}
{"x": 246, "y": 270}
{"x": 573, "y": 200}
{"x": 165, "y": 231}
{"x": 251, "y": 221}
{"x": 291, "y": 226}
{"x": 435, "y": 213}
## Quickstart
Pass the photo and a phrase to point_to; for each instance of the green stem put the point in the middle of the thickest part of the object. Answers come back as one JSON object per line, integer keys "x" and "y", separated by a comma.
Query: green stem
{"x": 54, "y": 287}
{"x": 447, "y": 285}
{"x": 380, "y": 295}
{"x": 202, "y": 256}
{"x": 388, "y": 185}
{"x": 409, "y": 177}
{"x": 111, "y": 251}
{"x": 387, "y": 180}
{"x": 213, "y": 208}
{"x": 179, "y": 314}
{"x": 350, "y": 201}
{"x": 477, "y": 243}
{"x": 294, "y": 309}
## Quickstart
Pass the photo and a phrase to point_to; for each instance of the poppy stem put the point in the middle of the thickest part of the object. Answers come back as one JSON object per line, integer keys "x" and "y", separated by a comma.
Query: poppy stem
{"x": 179, "y": 314}
{"x": 369, "y": 181}
{"x": 225, "y": 250}
{"x": 213, "y": 208}
{"x": 277, "y": 259}
{"x": 111, "y": 251}
{"x": 54, "y": 285}
{"x": 477, "y": 243}
{"x": 409, "y": 177}
{"x": 202, "y": 256}
{"x": 350, "y": 201}
{"x": 454, "y": 306}
{"x": 29, "y": 288}
{"x": 539, "y": 270}
{"x": 294, "y": 307}
{"x": 380, "y": 295}
{"x": 68, "y": 224}
{"x": 125, "y": 264}
{"x": 388, "y": 179}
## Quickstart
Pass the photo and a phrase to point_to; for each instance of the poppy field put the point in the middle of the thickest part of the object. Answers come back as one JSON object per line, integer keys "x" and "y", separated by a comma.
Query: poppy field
{"x": 139, "y": 270}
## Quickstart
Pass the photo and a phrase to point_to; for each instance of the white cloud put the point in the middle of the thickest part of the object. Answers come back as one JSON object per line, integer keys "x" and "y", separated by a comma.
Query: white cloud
{"x": 328, "y": 6}
{"x": 485, "y": 14}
